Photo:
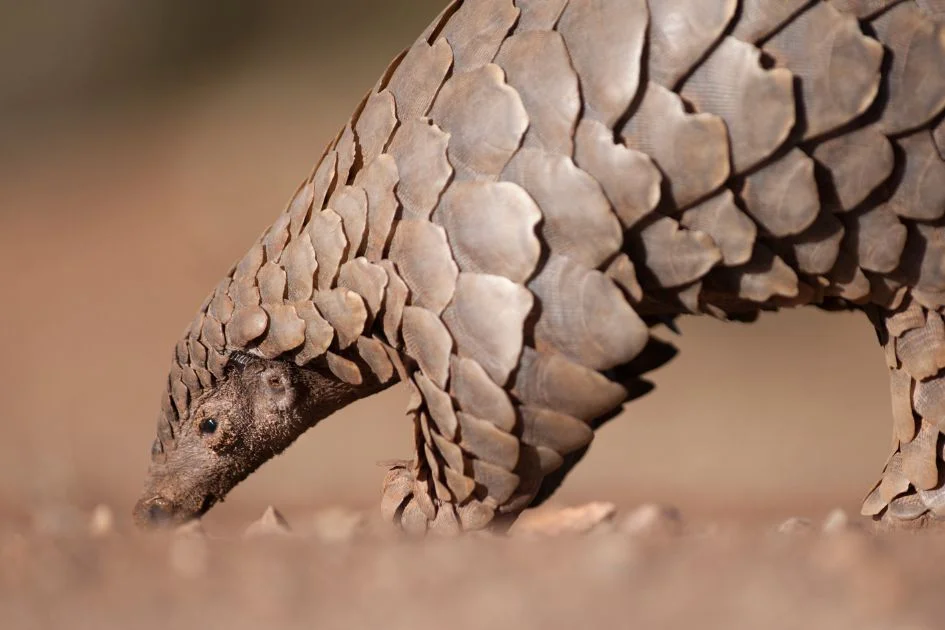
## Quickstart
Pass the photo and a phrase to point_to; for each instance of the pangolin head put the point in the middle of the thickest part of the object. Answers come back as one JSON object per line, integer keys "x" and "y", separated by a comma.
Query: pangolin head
{"x": 231, "y": 425}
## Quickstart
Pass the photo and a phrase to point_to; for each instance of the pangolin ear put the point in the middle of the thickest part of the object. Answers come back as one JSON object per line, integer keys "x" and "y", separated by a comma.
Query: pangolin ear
{"x": 278, "y": 386}
{"x": 237, "y": 361}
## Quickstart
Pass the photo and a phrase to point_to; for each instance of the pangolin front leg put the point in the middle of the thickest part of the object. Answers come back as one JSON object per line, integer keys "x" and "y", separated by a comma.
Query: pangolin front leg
{"x": 530, "y": 187}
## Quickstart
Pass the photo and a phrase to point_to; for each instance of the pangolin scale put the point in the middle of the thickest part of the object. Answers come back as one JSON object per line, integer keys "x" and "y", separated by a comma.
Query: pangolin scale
{"x": 533, "y": 185}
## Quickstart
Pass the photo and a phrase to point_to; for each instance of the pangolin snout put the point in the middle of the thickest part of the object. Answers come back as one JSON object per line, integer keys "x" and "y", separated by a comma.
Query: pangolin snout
{"x": 154, "y": 512}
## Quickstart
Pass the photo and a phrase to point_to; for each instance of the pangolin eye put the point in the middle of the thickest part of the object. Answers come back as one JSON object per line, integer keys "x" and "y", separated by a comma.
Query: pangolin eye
{"x": 208, "y": 426}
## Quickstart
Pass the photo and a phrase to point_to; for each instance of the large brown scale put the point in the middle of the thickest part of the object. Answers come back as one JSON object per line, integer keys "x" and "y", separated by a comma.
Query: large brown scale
{"x": 535, "y": 183}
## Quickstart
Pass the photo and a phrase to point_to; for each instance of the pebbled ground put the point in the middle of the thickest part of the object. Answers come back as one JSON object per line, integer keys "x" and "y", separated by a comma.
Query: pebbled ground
{"x": 338, "y": 569}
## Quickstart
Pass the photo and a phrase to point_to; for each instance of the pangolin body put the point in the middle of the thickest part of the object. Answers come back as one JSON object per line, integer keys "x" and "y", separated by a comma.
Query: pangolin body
{"x": 534, "y": 183}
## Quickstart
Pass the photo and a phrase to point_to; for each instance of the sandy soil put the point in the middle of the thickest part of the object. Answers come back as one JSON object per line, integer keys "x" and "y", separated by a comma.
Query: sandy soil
{"x": 725, "y": 576}
{"x": 116, "y": 218}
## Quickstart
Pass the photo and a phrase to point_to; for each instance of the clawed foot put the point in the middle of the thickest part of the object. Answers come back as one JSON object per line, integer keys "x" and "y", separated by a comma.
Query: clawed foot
{"x": 927, "y": 522}
{"x": 409, "y": 501}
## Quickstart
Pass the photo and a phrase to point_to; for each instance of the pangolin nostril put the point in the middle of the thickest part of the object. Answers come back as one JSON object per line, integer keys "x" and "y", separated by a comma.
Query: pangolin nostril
{"x": 158, "y": 513}
{"x": 155, "y": 511}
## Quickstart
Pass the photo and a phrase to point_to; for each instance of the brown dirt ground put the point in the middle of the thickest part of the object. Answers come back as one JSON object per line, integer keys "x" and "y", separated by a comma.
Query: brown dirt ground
{"x": 115, "y": 220}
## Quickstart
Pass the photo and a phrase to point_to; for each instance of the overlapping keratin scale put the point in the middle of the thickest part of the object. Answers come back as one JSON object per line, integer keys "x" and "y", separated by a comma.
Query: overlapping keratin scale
{"x": 486, "y": 318}
{"x": 476, "y": 31}
{"x": 323, "y": 182}
{"x": 815, "y": 250}
{"x": 347, "y": 150}
{"x": 691, "y": 150}
{"x": 608, "y": 63}
{"x": 857, "y": 163}
{"x": 428, "y": 342}
{"x": 760, "y": 18}
{"x": 762, "y": 278}
{"x": 538, "y": 15}
{"x": 477, "y": 394}
{"x": 629, "y": 178}
{"x": 488, "y": 443}
{"x": 326, "y": 232}
{"x": 920, "y": 193}
{"x": 345, "y": 311}
{"x": 731, "y": 230}
{"x": 550, "y": 381}
{"x": 782, "y": 196}
{"x": 863, "y": 8}
{"x": 419, "y": 150}
{"x": 395, "y": 298}
{"x": 732, "y": 84}
{"x": 491, "y": 228}
{"x": 301, "y": 205}
{"x": 375, "y": 125}
{"x": 286, "y": 329}
{"x": 418, "y": 78}
{"x": 366, "y": 280}
{"x": 925, "y": 260}
{"x": 578, "y": 220}
{"x": 350, "y": 203}
{"x": 935, "y": 9}
{"x": 584, "y": 316}
{"x": 916, "y": 78}
{"x": 624, "y": 273}
{"x": 379, "y": 179}
{"x": 249, "y": 320}
{"x": 681, "y": 33}
{"x": 877, "y": 237}
{"x": 485, "y": 119}
{"x": 344, "y": 369}
{"x": 439, "y": 406}
{"x": 837, "y": 65}
{"x": 318, "y": 333}
{"x": 537, "y": 66}
{"x": 423, "y": 257}
{"x": 672, "y": 256}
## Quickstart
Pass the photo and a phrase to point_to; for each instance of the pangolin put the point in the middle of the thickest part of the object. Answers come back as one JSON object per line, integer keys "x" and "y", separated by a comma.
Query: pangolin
{"x": 534, "y": 185}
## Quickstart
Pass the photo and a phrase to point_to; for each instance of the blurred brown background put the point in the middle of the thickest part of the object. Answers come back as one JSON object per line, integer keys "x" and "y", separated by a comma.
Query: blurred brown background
{"x": 145, "y": 143}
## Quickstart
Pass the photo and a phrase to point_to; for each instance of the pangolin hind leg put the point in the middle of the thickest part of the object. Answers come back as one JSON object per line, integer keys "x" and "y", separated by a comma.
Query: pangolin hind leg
{"x": 911, "y": 491}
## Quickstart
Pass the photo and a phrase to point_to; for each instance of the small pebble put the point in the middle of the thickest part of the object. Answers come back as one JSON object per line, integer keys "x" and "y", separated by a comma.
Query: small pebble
{"x": 795, "y": 525}
{"x": 270, "y": 523}
{"x": 337, "y": 524}
{"x": 839, "y": 521}
{"x": 580, "y": 519}
{"x": 102, "y": 521}
{"x": 653, "y": 520}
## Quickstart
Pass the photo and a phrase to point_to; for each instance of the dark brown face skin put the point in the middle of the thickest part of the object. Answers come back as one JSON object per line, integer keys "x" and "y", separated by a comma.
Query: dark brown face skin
{"x": 258, "y": 409}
